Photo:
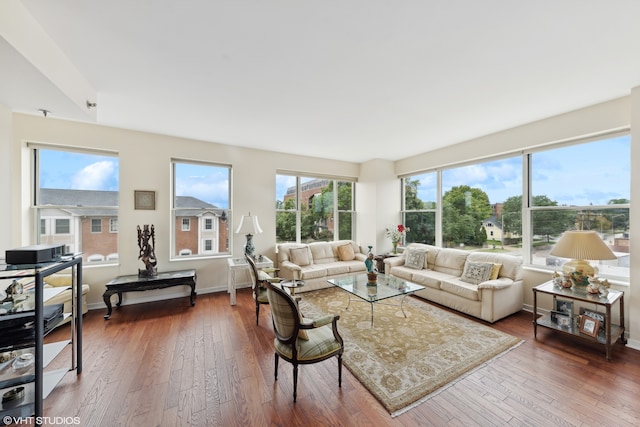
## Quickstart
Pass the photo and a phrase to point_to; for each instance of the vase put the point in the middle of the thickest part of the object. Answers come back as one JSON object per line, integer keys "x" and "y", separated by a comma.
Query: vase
{"x": 395, "y": 247}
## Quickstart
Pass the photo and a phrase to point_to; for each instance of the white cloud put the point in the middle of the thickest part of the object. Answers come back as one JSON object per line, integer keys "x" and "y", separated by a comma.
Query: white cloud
{"x": 94, "y": 176}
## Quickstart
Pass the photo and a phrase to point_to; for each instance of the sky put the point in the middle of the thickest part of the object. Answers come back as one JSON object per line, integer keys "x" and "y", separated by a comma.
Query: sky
{"x": 76, "y": 171}
{"x": 601, "y": 174}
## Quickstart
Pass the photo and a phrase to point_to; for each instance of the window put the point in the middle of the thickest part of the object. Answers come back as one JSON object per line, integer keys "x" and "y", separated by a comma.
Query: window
{"x": 476, "y": 198}
{"x": 419, "y": 207}
{"x": 96, "y": 225}
{"x": 62, "y": 226}
{"x": 492, "y": 205}
{"x": 308, "y": 209}
{"x": 201, "y": 195}
{"x": 113, "y": 225}
{"x": 74, "y": 192}
{"x": 582, "y": 187}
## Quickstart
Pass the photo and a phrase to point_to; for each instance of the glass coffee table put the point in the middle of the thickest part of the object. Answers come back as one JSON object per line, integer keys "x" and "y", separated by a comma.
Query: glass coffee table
{"x": 387, "y": 287}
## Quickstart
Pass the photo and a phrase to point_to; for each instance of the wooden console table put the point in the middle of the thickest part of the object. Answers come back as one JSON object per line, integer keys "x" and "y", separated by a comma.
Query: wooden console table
{"x": 132, "y": 283}
{"x": 611, "y": 332}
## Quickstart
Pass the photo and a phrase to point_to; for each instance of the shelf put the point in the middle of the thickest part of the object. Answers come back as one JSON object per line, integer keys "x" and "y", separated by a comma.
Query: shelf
{"x": 25, "y": 407}
{"x": 546, "y": 322}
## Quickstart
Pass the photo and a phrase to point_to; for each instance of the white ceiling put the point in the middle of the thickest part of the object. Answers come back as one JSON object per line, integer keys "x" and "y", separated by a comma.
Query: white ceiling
{"x": 344, "y": 79}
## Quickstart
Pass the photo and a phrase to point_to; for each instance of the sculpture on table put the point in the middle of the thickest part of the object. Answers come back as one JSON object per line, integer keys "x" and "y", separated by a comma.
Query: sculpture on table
{"x": 147, "y": 243}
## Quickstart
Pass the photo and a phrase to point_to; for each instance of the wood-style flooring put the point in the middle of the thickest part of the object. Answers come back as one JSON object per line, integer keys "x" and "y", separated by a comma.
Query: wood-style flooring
{"x": 169, "y": 364}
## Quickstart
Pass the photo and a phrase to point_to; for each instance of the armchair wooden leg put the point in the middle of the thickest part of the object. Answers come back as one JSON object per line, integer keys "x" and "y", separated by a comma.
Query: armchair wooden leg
{"x": 339, "y": 370}
{"x": 257, "y": 312}
{"x": 295, "y": 381}
{"x": 276, "y": 367}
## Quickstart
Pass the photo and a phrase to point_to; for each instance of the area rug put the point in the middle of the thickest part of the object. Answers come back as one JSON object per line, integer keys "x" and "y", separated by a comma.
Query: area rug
{"x": 403, "y": 361}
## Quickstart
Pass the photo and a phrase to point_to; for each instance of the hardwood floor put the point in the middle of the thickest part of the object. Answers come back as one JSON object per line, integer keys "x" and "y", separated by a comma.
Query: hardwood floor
{"x": 169, "y": 364}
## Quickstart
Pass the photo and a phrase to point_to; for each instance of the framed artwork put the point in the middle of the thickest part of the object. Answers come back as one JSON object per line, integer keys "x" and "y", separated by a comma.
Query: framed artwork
{"x": 589, "y": 326}
{"x": 564, "y": 306}
{"x": 145, "y": 200}
{"x": 563, "y": 320}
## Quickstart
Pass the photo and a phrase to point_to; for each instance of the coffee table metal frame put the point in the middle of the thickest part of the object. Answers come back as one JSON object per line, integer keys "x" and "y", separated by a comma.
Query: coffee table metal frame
{"x": 386, "y": 287}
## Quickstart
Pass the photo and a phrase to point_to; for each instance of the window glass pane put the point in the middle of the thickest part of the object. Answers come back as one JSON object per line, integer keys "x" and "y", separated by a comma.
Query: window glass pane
{"x": 202, "y": 195}
{"x": 589, "y": 192}
{"x": 472, "y": 205}
{"x": 420, "y": 201}
{"x": 76, "y": 191}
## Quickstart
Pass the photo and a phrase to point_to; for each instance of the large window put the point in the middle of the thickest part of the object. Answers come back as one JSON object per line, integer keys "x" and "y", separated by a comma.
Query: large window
{"x": 75, "y": 192}
{"x": 201, "y": 194}
{"x": 308, "y": 209}
{"x": 494, "y": 205}
{"x": 582, "y": 187}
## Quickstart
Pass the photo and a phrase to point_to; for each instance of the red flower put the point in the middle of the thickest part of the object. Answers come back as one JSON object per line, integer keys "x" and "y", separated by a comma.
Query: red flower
{"x": 401, "y": 228}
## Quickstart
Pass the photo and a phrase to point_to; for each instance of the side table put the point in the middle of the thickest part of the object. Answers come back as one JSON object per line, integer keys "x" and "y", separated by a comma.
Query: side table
{"x": 380, "y": 260}
{"x": 611, "y": 332}
{"x": 237, "y": 264}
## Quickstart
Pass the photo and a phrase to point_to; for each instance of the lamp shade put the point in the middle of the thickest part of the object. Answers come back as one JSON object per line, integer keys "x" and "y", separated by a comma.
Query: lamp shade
{"x": 249, "y": 225}
{"x": 582, "y": 245}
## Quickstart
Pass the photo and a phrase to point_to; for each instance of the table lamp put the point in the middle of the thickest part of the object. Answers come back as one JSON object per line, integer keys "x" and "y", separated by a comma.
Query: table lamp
{"x": 580, "y": 246}
{"x": 249, "y": 226}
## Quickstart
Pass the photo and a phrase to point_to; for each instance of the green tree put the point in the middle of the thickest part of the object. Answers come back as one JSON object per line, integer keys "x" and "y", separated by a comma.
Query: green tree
{"x": 463, "y": 210}
{"x": 545, "y": 223}
{"x": 286, "y": 222}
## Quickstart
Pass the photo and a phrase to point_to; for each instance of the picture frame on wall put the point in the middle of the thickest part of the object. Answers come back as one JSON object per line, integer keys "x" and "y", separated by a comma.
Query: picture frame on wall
{"x": 144, "y": 200}
{"x": 589, "y": 326}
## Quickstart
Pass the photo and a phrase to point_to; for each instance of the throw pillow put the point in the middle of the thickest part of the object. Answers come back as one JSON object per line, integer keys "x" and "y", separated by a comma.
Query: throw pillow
{"x": 476, "y": 272}
{"x": 345, "y": 252}
{"x": 300, "y": 256}
{"x": 495, "y": 271}
{"x": 415, "y": 259}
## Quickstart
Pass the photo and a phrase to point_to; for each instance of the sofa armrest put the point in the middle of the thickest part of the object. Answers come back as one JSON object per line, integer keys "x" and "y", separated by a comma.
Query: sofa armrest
{"x": 361, "y": 257}
{"x": 394, "y": 261}
{"x": 500, "y": 283}
{"x": 289, "y": 270}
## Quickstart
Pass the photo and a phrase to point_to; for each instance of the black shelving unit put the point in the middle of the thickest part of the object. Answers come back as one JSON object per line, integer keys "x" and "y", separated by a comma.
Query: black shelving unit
{"x": 39, "y": 382}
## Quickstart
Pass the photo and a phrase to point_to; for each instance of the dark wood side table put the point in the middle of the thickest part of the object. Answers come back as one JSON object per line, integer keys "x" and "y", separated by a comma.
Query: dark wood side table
{"x": 611, "y": 332}
{"x": 380, "y": 260}
{"x": 132, "y": 283}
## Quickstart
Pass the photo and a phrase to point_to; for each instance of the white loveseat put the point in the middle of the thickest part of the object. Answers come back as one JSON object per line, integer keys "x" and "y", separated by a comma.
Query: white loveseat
{"x": 460, "y": 279}
{"x": 317, "y": 262}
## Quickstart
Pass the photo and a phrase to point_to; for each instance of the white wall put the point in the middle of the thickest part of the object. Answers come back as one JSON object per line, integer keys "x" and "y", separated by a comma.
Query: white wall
{"x": 5, "y": 177}
{"x": 145, "y": 165}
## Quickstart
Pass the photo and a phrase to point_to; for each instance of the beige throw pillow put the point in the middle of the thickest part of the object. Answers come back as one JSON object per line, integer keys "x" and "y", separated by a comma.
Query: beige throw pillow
{"x": 415, "y": 258}
{"x": 300, "y": 256}
{"x": 345, "y": 252}
{"x": 495, "y": 271}
{"x": 476, "y": 272}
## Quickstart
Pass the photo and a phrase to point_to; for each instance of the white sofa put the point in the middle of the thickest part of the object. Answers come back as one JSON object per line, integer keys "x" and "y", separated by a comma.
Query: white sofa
{"x": 317, "y": 262}
{"x": 455, "y": 278}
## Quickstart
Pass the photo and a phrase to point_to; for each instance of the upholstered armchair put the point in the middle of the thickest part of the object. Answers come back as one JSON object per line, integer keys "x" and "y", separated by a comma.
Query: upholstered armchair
{"x": 258, "y": 280}
{"x": 299, "y": 340}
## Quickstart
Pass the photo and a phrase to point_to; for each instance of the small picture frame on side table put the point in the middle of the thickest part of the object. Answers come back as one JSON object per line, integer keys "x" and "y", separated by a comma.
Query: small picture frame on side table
{"x": 563, "y": 306}
{"x": 144, "y": 200}
{"x": 589, "y": 326}
{"x": 594, "y": 315}
{"x": 563, "y": 320}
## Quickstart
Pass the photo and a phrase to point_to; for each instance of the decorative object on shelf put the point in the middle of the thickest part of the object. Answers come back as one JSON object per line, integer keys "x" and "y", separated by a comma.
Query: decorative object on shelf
{"x": 147, "y": 244}
{"x": 13, "y": 395}
{"x": 144, "y": 200}
{"x": 249, "y": 226}
{"x": 396, "y": 234}
{"x": 557, "y": 279}
{"x": 598, "y": 286}
{"x": 579, "y": 246}
{"x": 589, "y": 326}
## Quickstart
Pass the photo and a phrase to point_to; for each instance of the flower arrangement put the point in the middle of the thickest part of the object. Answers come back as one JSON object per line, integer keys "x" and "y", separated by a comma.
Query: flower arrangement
{"x": 396, "y": 234}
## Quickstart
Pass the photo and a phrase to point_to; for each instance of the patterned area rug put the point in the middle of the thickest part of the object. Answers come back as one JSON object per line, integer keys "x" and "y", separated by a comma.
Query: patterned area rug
{"x": 403, "y": 361}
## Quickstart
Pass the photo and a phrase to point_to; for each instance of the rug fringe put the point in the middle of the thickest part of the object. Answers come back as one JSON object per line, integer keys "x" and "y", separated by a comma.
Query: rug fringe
{"x": 452, "y": 383}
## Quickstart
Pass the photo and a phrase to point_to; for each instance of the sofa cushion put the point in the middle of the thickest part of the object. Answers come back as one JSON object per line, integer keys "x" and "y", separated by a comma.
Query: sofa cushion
{"x": 314, "y": 271}
{"x": 415, "y": 259}
{"x": 300, "y": 256}
{"x": 346, "y": 252}
{"x": 476, "y": 272}
{"x": 450, "y": 261}
{"x": 323, "y": 252}
{"x": 462, "y": 289}
{"x": 336, "y": 268}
